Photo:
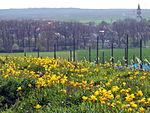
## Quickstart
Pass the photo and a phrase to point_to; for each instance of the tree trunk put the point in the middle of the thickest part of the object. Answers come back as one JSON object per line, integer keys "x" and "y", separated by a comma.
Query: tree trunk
{"x": 119, "y": 42}
{"x": 47, "y": 44}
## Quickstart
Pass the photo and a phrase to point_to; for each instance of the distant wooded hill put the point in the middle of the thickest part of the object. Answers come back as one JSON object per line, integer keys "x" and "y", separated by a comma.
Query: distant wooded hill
{"x": 72, "y": 14}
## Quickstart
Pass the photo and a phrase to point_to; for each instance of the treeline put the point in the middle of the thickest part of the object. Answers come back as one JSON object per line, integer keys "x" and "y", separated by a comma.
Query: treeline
{"x": 18, "y": 35}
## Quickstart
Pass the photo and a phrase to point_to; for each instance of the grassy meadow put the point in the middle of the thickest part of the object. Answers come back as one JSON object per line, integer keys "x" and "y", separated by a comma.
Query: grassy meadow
{"x": 35, "y": 85}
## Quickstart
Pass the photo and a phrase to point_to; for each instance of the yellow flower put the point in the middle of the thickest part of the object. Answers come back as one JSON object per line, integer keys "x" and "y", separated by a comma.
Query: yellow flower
{"x": 136, "y": 73}
{"x": 124, "y": 84}
{"x": 108, "y": 104}
{"x": 143, "y": 100}
{"x": 37, "y": 106}
{"x": 63, "y": 90}
{"x": 131, "y": 78}
{"x": 113, "y": 105}
{"x": 125, "y": 106}
{"x": 140, "y": 93}
{"x": 100, "y": 82}
{"x": 128, "y": 90}
{"x": 129, "y": 98}
{"x": 87, "y": 88}
{"x": 96, "y": 70}
{"x": 5, "y": 76}
{"x": 148, "y": 100}
{"x": 105, "y": 77}
{"x": 84, "y": 98}
{"x": 38, "y": 86}
{"x": 114, "y": 88}
{"x": 117, "y": 102}
{"x": 130, "y": 109}
{"x": 84, "y": 82}
{"x": 108, "y": 84}
{"x": 133, "y": 105}
{"x": 80, "y": 76}
{"x": 129, "y": 73}
{"x": 93, "y": 98}
{"x": 29, "y": 85}
{"x": 102, "y": 102}
{"x": 70, "y": 96}
{"x": 142, "y": 109}
{"x": 19, "y": 88}
{"x": 118, "y": 96}
{"x": 143, "y": 77}
{"x": 110, "y": 80}
{"x": 138, "y": 101}
{"x": 144, "y": 74}
{"x": 123, "y": 91}
{"x": 96, "y": 93}
{"x": 111, "y": 96}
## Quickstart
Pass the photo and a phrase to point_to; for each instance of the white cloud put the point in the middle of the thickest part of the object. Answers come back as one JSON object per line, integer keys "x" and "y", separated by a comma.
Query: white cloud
{"x": 96, "y": 4}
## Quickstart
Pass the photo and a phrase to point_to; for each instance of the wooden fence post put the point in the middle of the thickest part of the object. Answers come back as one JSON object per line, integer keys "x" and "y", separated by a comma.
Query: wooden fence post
{"x": 103, "y": 57}
{"x": 70, "y": 55}
{"x": 74, "y": 49}
{"x": 127, "y": 48}
{"x": 38, "y": 52}
{"x": 55, "y": 51}
{"x": 141, "y": 53}
{"x": 89, "y": 54}
{"x": 97, "y": 49}
{"x": 25, "y": 52}
{"x": 112, "y": 52}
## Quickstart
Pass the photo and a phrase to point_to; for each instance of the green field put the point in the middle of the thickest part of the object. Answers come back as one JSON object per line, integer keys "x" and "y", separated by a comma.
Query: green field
{"x": 62, "y": 54}
{"x": 118, "y": 54}
{"x": 96, "y": 20}
{"x": 84, "y": 54}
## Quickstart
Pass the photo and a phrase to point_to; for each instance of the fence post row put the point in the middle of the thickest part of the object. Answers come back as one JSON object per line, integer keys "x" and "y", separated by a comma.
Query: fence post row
{"x": 97, "y": 50}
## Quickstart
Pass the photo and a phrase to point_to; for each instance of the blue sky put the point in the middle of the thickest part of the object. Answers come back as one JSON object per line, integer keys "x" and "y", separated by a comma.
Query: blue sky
{"x": 91, "y": 4}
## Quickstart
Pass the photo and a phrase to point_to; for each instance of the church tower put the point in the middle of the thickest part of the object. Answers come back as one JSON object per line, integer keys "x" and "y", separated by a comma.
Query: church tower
{"x": 139, "y": 17}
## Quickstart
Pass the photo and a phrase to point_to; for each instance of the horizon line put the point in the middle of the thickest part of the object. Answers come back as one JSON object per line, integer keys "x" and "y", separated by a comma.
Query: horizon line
{"x": 71, "y": 8}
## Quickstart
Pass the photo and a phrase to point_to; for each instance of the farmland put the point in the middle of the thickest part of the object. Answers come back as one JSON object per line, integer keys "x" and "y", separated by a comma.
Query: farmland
{"x": 56, "y": 85}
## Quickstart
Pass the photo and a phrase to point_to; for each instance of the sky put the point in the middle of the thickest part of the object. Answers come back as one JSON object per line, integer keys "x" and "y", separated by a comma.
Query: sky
{"x": 88, "y": 4}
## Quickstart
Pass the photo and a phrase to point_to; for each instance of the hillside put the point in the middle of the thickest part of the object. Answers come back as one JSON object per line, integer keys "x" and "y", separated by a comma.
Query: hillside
{"x": 71, "y": 14}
